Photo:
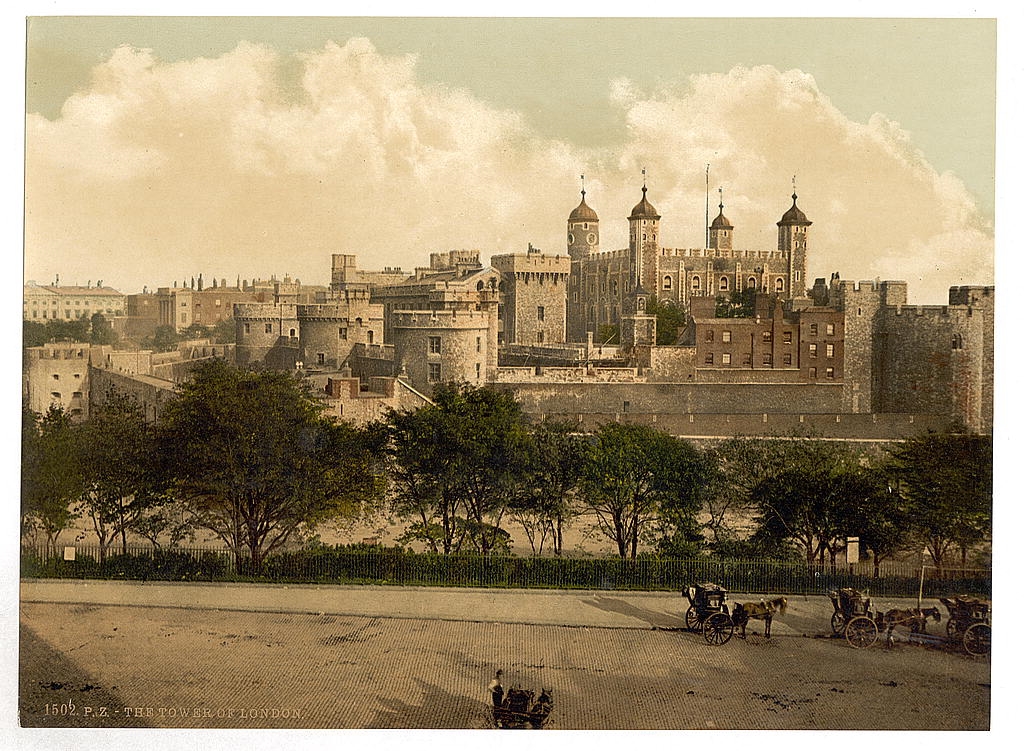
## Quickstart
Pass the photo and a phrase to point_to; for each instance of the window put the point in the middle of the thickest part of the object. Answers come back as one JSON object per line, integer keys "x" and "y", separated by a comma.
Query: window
{"x": 709, "y": 358}
{"x": 723, "y": 283}
{"x": 787, "y": 359}
{"x": 830, "y": 350}
{"x": 830, "y": 329}
{"x": 779, "y": 284}
{"x": 55, "y": 394}
{"x": 478, "y": 371}
{"x": 812, "y": 350}
{"x": 726, "y": 358}
{"x": 291, "y": 333}
{"x": 751, "y": 282}
{"x": 767, "y": 359}
{"x": 813, "y": 374}
{"x": 434, "y": 345}
{"x": 709, "y": 336}
{"x": 540, "y": 337}
{"x": 245, "y": 327}
{"x": 726, "y": 336}
{"x": 76, "y": 395}
{"x": 321, "y": 358}
{"x": 695, "y": 284}
{"x": 766, "y": 337}
{"x": 434, "y": 372}
{"x": 958, "y": 341}
{"x": 746, "y": 359}
{"x": 478, "y": 344}
{"x": 830, "y": 373}
{"x": 56, "y": 376}
{"x": 787, "y": 337}
{"x": 369, "y": 336}
{"x": 666, "y": 283}
{"x": 814, "y": 329}
{"x": 268, "y": 328}
{"x": 343, "y": 333}
{"x": 540, "y": 312}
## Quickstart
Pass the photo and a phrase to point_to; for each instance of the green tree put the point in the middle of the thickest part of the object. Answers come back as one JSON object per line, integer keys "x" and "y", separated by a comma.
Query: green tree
{"x": 255, "y": 459}
{"x": 456, "y": 464}
{"x": 637, "y": 477}
{"x": 223, "y": 332}
{"x": 118, "y": 465}
{"x": 101, "y": 331}
{"x": 551, "y": 480}
{"x": 607, "y": 333}
{"x": 945, "y": 482}
{"x": 34, "y": 334}
{"x": 739, "y": 304}
{"x": 671, "y": 320}
{"x": 811, "y": 498}
{"x": 51, "y": 478}
{"x": 164, "y": 339}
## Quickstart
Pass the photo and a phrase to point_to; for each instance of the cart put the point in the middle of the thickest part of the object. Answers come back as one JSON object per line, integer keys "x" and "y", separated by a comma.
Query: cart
{"x": 709, "y": 613}
{"x": 853, "y": 617}
{"x": 970, "y": 623}
{"x": 520, "y": 710}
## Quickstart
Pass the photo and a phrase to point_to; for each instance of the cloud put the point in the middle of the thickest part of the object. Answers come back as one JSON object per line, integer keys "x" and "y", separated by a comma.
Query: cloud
{"x": 240, "y": 166}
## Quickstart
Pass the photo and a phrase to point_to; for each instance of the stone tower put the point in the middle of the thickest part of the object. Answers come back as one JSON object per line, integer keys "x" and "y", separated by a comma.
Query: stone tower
{"x": 643, "y": 243}
{"x": 720, "y": 231}
{"x": 793, "y": 241}
{"x": 583, "y": 238}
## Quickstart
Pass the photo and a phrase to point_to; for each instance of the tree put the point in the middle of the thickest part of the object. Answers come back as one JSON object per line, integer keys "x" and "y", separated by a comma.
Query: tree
{"x": 223, "y": 332}
{"x": 51, "y": 478}
{"x": 945, "y": 481}
{"x": 636, "y": 476}
{"x": 164, "y": 339}
{"x": 671, "y": 319}
{"x": 456, "y": 464}
{"x": 254, "y": 458}
{"x": 119, "y": 468}
{"x": 101, "y": 331}
{"x": 812, "y": 497}
{"x": 739, "y": 304}
{"x": 607, "y": 333}
{"x": 551, "y": 483}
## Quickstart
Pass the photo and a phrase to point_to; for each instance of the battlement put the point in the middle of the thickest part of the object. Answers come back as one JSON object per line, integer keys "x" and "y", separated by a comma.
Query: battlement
{"x": 972, "y": 295}
{"x": 338, "y": 310}
{"x": 739, "y": 254}
{"x": 443, "y": 319}
{"x": 264, "y": 311}
{"x": 531, "y": 263}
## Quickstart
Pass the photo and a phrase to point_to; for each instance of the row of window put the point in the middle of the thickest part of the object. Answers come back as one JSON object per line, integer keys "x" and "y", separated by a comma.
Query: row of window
{"x": 787, "y": 336}
{"x": 54, "y": 315}
{"x": 767, "y": 361}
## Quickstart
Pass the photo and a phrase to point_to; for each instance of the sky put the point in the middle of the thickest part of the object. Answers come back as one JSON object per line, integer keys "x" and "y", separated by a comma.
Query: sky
{"x": 157, "y": 149}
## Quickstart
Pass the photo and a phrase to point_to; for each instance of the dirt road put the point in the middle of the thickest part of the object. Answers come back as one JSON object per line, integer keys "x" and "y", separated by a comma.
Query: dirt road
{"x": 195, "y": 667}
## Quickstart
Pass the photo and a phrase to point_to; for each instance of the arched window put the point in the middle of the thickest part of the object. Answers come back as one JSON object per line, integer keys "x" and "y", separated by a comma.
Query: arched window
{"x": 779, "y": 284}
{"x": 695, "y": 284}
{"x": 666, "y": 283}
{"x": 480, "y": 286}
{"x": 751, "y": 282}
{"x": 723, "y": 283}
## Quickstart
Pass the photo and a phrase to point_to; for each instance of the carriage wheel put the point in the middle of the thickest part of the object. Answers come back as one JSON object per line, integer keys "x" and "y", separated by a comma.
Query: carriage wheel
{"x": 978, "y": 639}
{"x": 717, "y": 629}
{"x": 861, "y": 632}
{"x": 952, "y": 627}
{"x": 692, "y": 621}
{"x": 838, "y": 622}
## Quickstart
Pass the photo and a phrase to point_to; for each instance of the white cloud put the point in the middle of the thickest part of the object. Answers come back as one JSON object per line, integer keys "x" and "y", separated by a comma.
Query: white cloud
{"x": 231, "y": 166}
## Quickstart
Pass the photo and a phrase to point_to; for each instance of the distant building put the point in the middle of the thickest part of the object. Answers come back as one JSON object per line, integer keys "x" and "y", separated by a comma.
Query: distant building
{"x": 61, "y": 303}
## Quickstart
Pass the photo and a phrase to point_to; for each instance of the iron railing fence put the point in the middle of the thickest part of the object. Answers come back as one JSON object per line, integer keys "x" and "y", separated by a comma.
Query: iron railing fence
{"x": 396, "y": 566}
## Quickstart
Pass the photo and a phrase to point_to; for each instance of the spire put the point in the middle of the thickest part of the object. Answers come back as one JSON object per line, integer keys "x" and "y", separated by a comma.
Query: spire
{"x": 583, "y": 187}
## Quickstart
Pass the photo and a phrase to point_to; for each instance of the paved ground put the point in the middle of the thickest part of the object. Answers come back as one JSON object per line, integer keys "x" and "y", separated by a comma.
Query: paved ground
{"x": 216, "y": 656}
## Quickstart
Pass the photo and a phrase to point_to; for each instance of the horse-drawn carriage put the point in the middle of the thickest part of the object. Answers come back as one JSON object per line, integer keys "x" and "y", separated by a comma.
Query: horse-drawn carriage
{"x": 709, "y": 612}
{"x": 518, "y": 709}
{"x": 969, "y": 623}
{"x": 853, "y": 617}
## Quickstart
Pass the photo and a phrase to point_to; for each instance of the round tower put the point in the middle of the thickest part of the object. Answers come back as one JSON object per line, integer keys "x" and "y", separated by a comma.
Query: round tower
{"x": 583, "y": 236}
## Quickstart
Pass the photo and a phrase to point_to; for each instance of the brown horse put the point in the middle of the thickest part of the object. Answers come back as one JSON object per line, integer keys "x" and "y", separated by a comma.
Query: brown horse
{"x": 913, "y": 618}
{"x": 761, "y": 611}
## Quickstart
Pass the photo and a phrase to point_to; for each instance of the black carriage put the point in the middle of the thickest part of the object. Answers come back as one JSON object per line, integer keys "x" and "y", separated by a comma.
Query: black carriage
{"x": 520, "y": 709}
{"x": 709, "y": 612}
{"x": 970, "y": 623}
{"x": 853, "y": 617}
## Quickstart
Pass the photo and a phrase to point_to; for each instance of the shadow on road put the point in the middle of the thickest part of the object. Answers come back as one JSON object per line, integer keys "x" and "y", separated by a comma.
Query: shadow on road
{"x": 654, "y": 618}
{"x": 437, "y": 709}
{"x": 53, "y": 692}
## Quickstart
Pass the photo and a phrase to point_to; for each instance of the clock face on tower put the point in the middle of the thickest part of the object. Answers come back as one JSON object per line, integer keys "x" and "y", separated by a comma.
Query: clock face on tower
{"x": 591, "y": 238}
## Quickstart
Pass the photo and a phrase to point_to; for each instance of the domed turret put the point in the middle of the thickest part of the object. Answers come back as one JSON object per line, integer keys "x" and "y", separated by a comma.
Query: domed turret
{"x": 720, "y": 231}
{"x": 644, "y": 210}
{"x": 583, "y": 213}
{"x": 794, "y": 216}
